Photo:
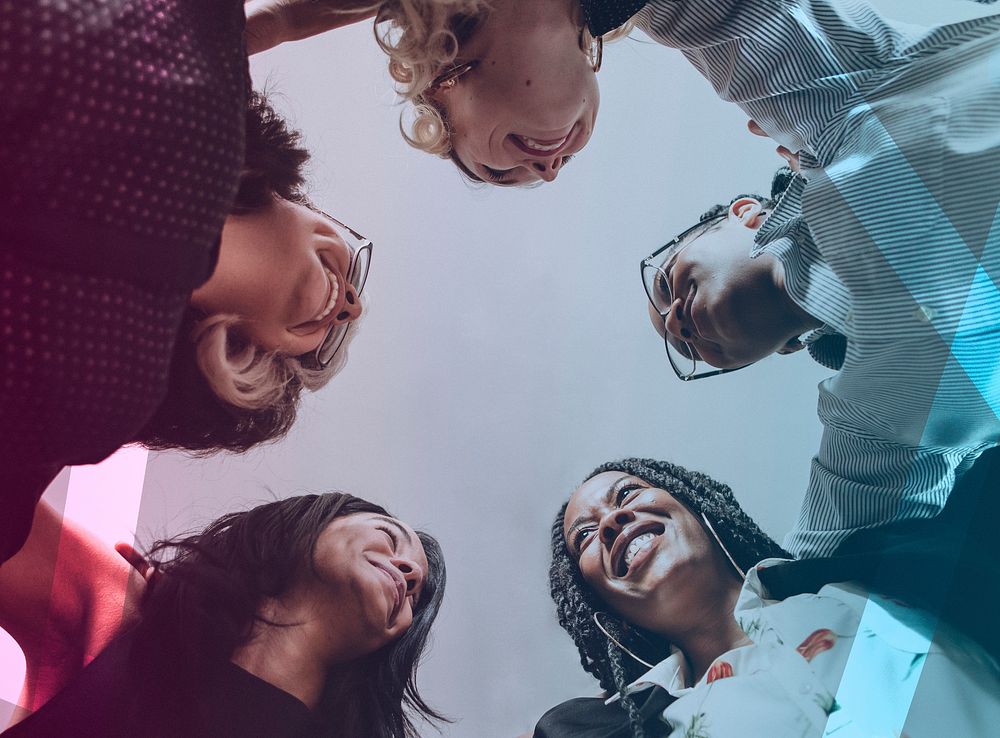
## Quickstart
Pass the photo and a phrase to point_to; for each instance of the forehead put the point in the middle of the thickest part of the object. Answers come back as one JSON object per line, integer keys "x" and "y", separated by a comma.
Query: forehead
{"x": 689, "y": 236}
{"x": 593, "y": 495}
{"x": 365, "y": 522}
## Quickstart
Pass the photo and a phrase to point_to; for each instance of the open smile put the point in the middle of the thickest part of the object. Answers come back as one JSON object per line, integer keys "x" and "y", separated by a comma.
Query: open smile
{"x": 543, "y": 147}
{"x": 332, "y": 300}
{"x": 634, "y": 547}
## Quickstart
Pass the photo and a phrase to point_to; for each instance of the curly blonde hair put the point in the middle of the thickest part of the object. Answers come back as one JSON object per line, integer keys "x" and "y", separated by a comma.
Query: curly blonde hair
{"x": 423, "y": 37}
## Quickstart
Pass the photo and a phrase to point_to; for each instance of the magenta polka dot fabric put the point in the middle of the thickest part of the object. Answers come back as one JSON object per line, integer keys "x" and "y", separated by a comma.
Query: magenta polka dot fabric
{"x": 121, "y": 144}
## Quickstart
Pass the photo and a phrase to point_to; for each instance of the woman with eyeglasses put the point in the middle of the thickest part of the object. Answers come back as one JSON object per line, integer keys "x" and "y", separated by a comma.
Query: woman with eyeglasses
{"x": 163, "y": 279}
{"x": 661, "y": 579}
{"x": 305, "y": 616}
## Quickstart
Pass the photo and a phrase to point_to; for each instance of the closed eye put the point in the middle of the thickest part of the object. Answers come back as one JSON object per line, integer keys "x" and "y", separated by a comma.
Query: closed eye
{"x": 497, "y": 176}
{"x": 394, "y": 541}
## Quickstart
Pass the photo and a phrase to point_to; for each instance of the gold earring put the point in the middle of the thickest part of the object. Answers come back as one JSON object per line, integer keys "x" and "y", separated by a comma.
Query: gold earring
{"x": 708, "y": 524}
{"x": 597, "y": 54}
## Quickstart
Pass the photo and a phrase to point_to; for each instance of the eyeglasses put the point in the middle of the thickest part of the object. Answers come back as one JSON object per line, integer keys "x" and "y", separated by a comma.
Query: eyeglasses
{"x": 449, "y": 77}
{"x": 681, "y": 354}
{"x": 361, "y": 255}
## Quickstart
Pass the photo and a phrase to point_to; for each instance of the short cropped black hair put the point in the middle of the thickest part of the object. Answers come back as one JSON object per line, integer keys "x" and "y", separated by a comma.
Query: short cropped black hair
{"x": 191, "y": 416}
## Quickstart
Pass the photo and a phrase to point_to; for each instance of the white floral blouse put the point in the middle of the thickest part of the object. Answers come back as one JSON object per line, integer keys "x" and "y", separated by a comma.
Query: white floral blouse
{"x": 843, "y": 663}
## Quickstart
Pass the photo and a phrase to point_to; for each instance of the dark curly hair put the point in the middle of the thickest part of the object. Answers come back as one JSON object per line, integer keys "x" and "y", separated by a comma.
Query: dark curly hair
{"x": 576, "y": 602}
{"x": 205, "y": 600}
{"x": 192, "y": 416}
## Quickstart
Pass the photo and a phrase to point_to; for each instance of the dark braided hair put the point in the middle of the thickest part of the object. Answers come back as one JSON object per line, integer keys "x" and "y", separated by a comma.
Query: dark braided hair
{"x": 576, "y": 602}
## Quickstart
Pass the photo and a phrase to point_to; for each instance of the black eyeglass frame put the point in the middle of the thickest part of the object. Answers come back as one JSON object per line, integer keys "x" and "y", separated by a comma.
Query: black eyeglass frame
{"x": 650, "y": 264}
{"x": 337, "y": 332}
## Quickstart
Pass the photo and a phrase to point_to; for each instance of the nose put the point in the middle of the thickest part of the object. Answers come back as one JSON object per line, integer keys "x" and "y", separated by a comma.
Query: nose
{"x": 612, "y": 525}
{"x": 351, "y": 309}
{"x": 676, "y": 322}
{"x": 548, "y": 169}
{"x": 413, "y": 575}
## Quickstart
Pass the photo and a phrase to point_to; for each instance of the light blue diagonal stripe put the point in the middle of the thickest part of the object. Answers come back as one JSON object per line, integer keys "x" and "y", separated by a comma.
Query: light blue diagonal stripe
{"x": 974, "y": 334}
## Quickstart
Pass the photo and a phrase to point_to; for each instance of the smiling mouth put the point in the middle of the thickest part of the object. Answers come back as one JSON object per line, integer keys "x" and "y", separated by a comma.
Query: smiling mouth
{"x": 635, "y": 543}
{"x": 333, "y": 295}
{"x": 542, "y": 147}
{"x": 399, "y": 592}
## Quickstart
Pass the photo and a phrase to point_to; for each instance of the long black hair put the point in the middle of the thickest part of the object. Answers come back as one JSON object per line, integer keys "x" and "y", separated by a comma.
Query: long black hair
{"x": 576, "y": 602}
{"x": 205, "y": 600}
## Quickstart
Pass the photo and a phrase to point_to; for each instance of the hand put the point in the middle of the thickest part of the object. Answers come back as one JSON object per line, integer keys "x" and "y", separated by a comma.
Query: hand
{"x": 136, "y": 560}
{"x": 274, "y": 22}
{"x": 791, "y": 159}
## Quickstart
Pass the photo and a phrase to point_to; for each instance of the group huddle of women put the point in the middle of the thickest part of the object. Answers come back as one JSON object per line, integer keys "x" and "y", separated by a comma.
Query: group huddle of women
{"x": 165, "y": 280}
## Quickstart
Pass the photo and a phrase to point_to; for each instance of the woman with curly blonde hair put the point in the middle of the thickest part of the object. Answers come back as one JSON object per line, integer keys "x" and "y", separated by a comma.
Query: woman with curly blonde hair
{"x": 498, "y": 86}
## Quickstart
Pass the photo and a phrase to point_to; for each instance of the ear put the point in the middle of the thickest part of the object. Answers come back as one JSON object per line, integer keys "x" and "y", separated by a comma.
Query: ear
{"x": 793, "y": 345}
{"x": 755, "y": 129}
{"x": 747, "y": 211}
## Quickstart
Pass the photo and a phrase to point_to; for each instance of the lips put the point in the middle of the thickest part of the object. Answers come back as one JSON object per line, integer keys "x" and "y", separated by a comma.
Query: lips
{"x": 332, "y": 301}
{"x": 543, "y": 147}
{"x": 399, "y": 590}
{"x": 630, "y": 545}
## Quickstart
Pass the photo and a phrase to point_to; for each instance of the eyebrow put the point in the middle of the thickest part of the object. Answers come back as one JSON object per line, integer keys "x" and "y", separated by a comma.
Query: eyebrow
{"x": 399, "y": 526}
{"x": 608, "y": 497}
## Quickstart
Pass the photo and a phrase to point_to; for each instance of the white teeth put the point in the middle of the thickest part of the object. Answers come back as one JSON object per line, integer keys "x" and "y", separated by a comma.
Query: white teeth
{"x": 334, "y": 294}
{"x": 638, "y": 544}
{"x": 538, "y": 146}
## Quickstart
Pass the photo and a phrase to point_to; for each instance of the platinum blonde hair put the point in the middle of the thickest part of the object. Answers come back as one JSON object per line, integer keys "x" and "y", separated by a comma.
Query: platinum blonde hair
{"x": 423, "y": 37}
{"x": 246, "y": 376}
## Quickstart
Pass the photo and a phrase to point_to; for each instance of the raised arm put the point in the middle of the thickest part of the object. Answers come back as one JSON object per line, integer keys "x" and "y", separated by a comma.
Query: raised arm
{"x": 274, "y": 22}
{"x": 63, "y": 597}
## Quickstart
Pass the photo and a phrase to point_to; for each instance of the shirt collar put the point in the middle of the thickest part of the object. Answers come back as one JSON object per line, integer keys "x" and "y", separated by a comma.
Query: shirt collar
{"x": 672, "y": 674}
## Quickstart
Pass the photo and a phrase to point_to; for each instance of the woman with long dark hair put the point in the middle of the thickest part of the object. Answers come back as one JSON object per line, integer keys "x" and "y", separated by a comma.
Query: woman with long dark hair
{"x": 657, "y": 575}
{"x": 301, "y": 617}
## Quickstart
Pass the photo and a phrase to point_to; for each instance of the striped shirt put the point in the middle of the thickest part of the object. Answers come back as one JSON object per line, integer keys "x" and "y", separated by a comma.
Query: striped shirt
{"x": 890, "y": 235}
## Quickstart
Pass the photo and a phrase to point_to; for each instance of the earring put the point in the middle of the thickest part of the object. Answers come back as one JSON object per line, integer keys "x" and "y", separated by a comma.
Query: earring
{"x": 596, "y": 50}
{"x": 708, "y": 524}
{"x": 597, "y": 622}
{"x": 597, "y": 54}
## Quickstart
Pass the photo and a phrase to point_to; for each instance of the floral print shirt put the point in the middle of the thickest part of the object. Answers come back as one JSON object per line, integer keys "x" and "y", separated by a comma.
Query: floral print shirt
{"x": 843, "y": 663}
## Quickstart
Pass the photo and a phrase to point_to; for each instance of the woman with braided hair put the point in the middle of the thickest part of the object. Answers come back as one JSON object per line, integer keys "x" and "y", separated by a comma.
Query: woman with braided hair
{"x": 657, "y": 575}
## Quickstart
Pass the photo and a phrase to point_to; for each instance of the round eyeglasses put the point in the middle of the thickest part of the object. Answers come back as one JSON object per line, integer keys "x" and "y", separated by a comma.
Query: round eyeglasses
{"x": 361, "y": 255}
{"x": 655, "y": 268}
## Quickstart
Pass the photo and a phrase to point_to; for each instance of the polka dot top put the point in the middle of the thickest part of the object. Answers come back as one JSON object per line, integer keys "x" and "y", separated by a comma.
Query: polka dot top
{"x": 602, "y": 16}
{"x": 121, "y": 134}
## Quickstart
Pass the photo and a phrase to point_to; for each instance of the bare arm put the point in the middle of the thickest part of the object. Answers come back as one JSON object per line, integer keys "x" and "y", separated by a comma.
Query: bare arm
{"x": 274, "y": 22}
{"x": 63, "y": 597}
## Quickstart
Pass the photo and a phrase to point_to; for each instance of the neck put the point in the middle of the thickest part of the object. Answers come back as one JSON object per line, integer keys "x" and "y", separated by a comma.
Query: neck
{"x": 799, "y": 320}
{"x": 713, "y": 634}
{"x": 286, "y": 658}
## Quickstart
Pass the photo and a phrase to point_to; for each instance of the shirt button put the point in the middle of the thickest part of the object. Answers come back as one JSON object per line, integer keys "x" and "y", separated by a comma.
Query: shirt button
{"x": 849, "y": 318}
{"x": 806, "y": 688}
{"x": 925, "y": 313}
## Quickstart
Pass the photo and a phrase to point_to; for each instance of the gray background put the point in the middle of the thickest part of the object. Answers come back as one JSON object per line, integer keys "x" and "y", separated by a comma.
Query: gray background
{"x": 507, "y": 352}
